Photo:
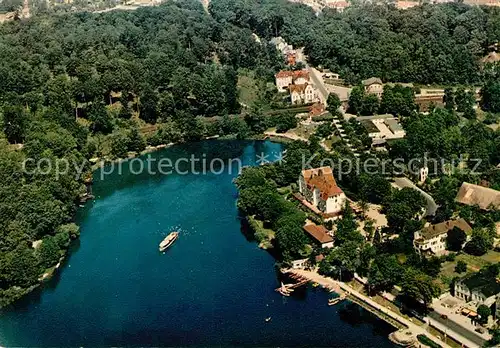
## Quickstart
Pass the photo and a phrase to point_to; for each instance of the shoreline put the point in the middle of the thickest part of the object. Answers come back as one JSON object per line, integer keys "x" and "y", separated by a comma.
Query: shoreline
{"x": 362, "y": 301}
{"x": 50, "y": 272}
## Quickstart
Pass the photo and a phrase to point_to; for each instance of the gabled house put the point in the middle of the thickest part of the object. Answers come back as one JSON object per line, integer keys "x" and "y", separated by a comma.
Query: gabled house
{"x": 285, "y": 78}
{"x": 475, "y": 195}
{"x": 319, "y": 234}
{"x": 302, "y": 93}
{"x": 431, "y": 240}
{"x": 373, "y": 85}
{"x": 319, "y": 188}
{"x": 478, "y": 288}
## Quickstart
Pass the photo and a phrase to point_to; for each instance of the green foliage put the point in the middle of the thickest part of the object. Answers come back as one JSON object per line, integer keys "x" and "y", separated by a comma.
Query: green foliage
{"x": 15, "y": 122}
{"x": 455, "y": 239}
{"x": 419, "y": 286}
{"x": 403, "y": 206}
{"x": 461, "y": 267}
{"x": 481, "y": 241}
{"x": 347, "y": 228}
{"x": 427, "y": 341}
{"x": 490, "y": 96}
{"x": 484, "y": 312}
{"x": 397, "y": 100}
{"x": 285, "y": 122}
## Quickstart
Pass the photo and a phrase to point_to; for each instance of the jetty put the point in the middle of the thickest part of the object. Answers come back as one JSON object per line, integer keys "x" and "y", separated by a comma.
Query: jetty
{"x": 382, "y": 312}
{"x": 287, "y": 289}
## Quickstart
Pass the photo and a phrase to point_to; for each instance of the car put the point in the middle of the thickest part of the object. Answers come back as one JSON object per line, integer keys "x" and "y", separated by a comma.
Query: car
{"x": 444, "y": 316}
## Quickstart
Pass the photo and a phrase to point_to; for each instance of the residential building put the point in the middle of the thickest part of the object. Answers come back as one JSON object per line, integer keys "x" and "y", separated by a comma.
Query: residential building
{"x": 285, "y": 78}
{"x": 382, "y": 127}
{"x": 373, "y": 85}
{"x": 475, "y": 195}
{"x": 319, "y": 188}
{"x": 319, "y": 234}
{"x": 302, "y": 93}
{"x": 300, "y": 264}
{"x": 477, "y": 287}
{"x": 431, "y": 240}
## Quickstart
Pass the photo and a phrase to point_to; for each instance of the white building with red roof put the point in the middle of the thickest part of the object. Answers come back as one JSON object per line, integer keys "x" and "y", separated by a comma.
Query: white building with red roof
{"x": 285, "y": 78}
{"x": 319, "y": 188}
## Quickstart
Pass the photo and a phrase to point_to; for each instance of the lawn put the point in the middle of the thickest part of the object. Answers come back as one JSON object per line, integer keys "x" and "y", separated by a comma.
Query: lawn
{"x": 247, "y": 86}
{"x": 304, "y": 131}
{"x": 474, "y": 263}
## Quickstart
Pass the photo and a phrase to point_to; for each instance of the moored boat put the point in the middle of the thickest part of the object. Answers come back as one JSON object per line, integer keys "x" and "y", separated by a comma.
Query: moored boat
{"x": 168, "y": 241}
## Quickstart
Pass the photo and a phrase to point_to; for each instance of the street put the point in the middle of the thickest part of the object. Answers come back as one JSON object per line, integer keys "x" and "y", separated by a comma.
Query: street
{"x": 431, "y": 204}
{"x": 457, "y": 328}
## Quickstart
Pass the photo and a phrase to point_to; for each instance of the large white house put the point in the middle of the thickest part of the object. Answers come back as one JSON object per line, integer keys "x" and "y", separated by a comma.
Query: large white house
{"x": 319, "y": 188}
{"x": 302, "y": 93}
{"x": 285, "y": 78}
{"x": 431, "y": 240}
{"x": 477, "y": 287}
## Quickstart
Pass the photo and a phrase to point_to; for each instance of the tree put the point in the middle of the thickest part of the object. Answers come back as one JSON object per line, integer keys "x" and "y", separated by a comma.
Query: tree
{"x": 483, "y": 312}
{"x": 99, "y": 118}
{"x": 15, "y": 122}
{"x": 480, "y": 242}
{"x": 464, "y": 99}
{"x": 119, "y": 146}
{"x": 286, "y": 121}
{"x": 333, "y": 103}
{"x": 356, "y": 100}
{"x": 148, "y": 107}
{"x": 449, "y": 99}
{"x": 419, "y": 286}
{"x": 291, "y": 239}
{"x": 397, "y": 100}
{"x": 347, "y": 228}
{"x": 135, "y": 141}
{"x": 490, "y": 96}
{"x": 461, "y": 267}
{"x": 49, "y": 252}
{"x": 256, "y": 121}
{"x": 370, "y": 105}
{"x": 455, "y": 239}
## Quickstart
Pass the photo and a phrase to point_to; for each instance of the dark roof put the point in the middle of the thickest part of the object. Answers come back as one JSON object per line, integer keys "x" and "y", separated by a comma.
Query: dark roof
{"x": 369, "y": 126}
{"x": 479, "y": 282}
{"x": 443, "y": 227}
{"x": 372, "y": 81}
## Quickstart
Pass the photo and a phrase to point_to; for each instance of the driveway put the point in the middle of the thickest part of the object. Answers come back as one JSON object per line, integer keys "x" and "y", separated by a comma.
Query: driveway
{"x": 431, "y": 204}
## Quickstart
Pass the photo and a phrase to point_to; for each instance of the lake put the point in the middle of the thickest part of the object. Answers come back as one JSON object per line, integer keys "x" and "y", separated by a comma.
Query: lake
{"x": 214, "y": 286}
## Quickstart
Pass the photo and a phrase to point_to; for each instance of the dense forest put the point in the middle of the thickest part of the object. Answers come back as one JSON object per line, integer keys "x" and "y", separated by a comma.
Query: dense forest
{"x": 73, "y": 82}
{"x": 426, "y": 44}
{"x": 78, "y": 86}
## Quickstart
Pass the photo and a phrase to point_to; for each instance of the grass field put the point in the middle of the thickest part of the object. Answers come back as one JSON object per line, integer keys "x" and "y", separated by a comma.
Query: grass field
{"x": 247, "y": 86}
{"x": 474, "y": 263}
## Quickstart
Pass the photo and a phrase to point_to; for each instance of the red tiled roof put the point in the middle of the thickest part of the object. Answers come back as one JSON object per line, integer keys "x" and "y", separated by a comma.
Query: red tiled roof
{"x": 316, "y": 109}
{"x": 294, "y": 74}
{"x": 322, "y": 179}
{"x": 320, "y": 233}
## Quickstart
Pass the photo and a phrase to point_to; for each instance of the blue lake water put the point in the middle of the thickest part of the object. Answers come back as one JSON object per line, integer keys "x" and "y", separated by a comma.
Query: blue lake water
{"x": 212, "y": 287}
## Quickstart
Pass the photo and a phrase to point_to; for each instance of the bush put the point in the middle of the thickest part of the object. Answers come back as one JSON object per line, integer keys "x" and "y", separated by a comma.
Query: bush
{"x": 427, "y": 341}
{"x": 461, "y": 267}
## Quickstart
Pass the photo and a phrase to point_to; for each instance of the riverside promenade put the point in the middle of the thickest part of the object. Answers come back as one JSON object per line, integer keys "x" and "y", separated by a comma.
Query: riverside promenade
{"x": 333, "y": 284}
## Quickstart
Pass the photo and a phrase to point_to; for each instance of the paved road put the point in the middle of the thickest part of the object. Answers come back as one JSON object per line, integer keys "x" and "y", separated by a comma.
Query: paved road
{"x": 455, "y": 327}
{"x": 431, "y": 204}
{"x": 318, "y": 82}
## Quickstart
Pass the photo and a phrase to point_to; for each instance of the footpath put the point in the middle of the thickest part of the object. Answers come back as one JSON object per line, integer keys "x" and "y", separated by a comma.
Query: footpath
{"x": 415, "y": 329}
